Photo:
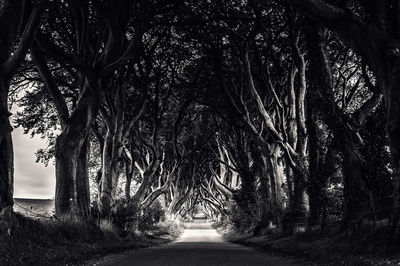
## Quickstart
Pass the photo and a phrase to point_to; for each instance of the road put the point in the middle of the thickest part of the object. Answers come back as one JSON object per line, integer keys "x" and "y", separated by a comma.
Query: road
{"x": 200, "y": 244}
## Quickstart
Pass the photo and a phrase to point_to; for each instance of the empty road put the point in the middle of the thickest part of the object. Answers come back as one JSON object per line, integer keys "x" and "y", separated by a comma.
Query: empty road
{"x": 200, "y": 244}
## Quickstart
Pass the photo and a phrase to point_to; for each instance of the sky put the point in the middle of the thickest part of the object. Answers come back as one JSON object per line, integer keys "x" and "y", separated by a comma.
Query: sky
{"x": 31, "y": 179}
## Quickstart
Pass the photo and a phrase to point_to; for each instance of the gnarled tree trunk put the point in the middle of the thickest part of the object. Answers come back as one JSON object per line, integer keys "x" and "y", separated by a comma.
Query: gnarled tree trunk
{"x": 68, "y": 147}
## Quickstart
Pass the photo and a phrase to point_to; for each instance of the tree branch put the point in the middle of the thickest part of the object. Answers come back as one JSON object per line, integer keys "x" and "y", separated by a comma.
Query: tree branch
{"x": 52, "y": 88}
{"x": 27, "y": 37}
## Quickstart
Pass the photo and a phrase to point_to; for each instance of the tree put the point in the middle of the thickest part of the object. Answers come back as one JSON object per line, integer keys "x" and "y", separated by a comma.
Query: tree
{"x": 342, "y": 125}
{"x": 18, "y": 23}
{"x": 95, "y": 68}
{"x": 374, "y": 36}
{"x": 120, "y": 113}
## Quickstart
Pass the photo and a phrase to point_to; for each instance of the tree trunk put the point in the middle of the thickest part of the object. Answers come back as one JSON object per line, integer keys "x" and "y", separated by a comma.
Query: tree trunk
{"x": 6, "y": 148}
{"x": 314, "y": 185}
{"x": 297, "y": 213}
{"x": 82, "y": 180}
{"x": 392, "y": 102}
{"x": 175, "y": 193}
{"x": 67, "y": 151}
{"x": 246, "y": 196}
{"x": 289, "y": 183}
{"x": 180, "y": 194}
{"x": 173, "y": 203}
{"x": 355, "y": 199}
{"x": 315, "y": 201}
{"x": 276, "y": 178}
{"x": 105, "y": 194}
{"x": 110, "y": 173}
{"x": 268, "y": 209}
{"x": 299, "y": 207}
{"x": 318, "y": 178}
{"x": 129, "y": 176}
{"x": 144, "y": 187}
{"x": 68, "y": 146}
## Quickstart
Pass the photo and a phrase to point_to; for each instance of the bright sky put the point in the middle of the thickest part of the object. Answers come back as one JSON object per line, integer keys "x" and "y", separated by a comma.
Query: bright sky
{"x": 31, "y": 179}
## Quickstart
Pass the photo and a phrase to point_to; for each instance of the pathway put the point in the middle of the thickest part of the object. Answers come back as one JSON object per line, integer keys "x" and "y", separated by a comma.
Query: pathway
{"x": 200, "y": 244}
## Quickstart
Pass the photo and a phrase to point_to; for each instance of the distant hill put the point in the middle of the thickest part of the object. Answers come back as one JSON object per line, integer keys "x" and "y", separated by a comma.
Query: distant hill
{"x": 30, "y": 207}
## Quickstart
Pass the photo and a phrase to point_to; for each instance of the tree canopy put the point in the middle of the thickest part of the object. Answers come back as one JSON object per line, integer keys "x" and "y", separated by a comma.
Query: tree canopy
{"x": 262, "y": 113}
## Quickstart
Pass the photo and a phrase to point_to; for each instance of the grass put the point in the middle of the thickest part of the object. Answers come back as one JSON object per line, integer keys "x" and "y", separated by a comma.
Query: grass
{"x": 71, "y": 241}
{"x": 330, "y": 249}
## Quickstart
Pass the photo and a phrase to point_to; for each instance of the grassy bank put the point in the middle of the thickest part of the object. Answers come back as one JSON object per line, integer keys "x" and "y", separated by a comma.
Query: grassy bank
{"x": 70, "y": 241}
{"x": 319, "y": 249}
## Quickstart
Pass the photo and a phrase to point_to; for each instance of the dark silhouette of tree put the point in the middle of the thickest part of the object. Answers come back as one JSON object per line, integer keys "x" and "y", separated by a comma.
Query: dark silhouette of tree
{"x": 19, "y": 21}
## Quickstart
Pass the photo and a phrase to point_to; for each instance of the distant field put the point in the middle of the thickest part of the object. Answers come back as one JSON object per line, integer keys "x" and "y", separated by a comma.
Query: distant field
{"x": 29, "y": 207}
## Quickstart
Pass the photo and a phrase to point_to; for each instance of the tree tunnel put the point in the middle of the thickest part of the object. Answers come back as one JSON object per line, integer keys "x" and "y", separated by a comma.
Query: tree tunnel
{"x": 247, "y": 111}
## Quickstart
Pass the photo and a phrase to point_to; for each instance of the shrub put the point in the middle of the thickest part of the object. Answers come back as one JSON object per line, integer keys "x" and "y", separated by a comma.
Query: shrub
{"x": 241, "y": 221}
{"x": 39, "y": 242}
{"x": 151, "y": 216}
{"x": 109, "y": 229}
{"x": 172, "y": 227}
{"x": 128, "y": 217}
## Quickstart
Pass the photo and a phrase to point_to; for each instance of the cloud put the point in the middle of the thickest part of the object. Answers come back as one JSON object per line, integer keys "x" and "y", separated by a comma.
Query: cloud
{"x": 31, "y": 179}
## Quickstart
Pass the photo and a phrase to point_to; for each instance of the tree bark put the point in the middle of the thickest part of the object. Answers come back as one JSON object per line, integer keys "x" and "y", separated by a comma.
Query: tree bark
{"x": 129, "y": 176}
{"x": 276, "y": 178}
{"x": 392, "y": 102}
{"x": 146, "y": 182}
{"x": 82, "y": 180}
{"x": 106, "y": 198}
{"x": 6, "y": 148}
{"x": 268, "y": 209}
{"x": 298, "y": 209}
{"x": 112, "y": 167}
{"x": 356, "y": 201}
{"x": 246, "y": 196}
{"x": 68, "y": 146}
{"x": 316, "y": 183}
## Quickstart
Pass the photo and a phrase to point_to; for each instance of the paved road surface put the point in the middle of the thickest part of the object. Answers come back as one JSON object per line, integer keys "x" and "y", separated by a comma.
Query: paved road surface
{"x": 200, "y": 244}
